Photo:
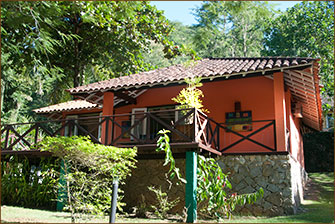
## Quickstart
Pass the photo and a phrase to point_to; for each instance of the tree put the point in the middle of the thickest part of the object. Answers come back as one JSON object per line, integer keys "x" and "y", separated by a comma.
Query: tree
{"x": 306, "y": 30}
{"x": 231, "y": 29}
{"x": 50, "y": 46}
{"x": 181, "y": 35}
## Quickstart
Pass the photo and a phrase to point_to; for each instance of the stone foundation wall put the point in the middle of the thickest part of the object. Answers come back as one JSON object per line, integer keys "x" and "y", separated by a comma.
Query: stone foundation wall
{"x": 152, "y": 173}
{"x": 281, "y": 177}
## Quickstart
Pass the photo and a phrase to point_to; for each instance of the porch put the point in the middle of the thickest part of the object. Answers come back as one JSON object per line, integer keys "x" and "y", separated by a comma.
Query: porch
{"x": 190, "y": 130}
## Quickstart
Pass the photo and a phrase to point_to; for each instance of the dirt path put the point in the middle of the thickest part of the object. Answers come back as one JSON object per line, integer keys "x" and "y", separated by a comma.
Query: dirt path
{"x": 312, "y": 190}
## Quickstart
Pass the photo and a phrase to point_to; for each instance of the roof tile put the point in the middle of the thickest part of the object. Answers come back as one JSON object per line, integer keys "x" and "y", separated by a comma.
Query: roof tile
{"x": 67, "y": 106}
{"x": 203, "y": 68}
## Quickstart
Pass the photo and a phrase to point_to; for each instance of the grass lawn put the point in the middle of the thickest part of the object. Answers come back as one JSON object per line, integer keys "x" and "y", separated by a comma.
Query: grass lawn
{"x": 317, "y": 211}
{"x": 23, "y": 215}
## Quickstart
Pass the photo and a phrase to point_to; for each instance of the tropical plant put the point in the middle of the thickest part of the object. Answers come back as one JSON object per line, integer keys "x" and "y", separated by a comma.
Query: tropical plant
{"x": 213, "y": 200}
{"x": 190, "y": 97}
{"x": 163, "y": 144}
{"x": 89, "y": 170}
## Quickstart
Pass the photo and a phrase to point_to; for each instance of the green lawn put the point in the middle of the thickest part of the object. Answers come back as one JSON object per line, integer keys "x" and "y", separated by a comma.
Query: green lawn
{"x": 24, "y": 215}
{"x": 317, "y": 211}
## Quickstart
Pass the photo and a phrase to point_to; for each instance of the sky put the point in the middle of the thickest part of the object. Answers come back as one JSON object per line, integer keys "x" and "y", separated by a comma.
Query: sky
{"x": 182, "y": 10}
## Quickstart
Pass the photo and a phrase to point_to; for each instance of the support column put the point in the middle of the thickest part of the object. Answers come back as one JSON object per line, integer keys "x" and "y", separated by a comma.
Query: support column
{"x": 191, "y": 186}
{"x": 280, "y": 112}
{"x": 107, "y": 110}
{"x": 62, "y": 191}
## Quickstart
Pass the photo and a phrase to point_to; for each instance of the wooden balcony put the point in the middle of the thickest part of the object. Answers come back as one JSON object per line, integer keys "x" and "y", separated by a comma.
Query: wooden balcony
{"x": 189, "y": 130}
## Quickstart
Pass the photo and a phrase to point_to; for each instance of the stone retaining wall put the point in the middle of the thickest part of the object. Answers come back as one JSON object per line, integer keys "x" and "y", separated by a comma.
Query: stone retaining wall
{"x": 152, "y": 173}
{"x": 280, "y": 176}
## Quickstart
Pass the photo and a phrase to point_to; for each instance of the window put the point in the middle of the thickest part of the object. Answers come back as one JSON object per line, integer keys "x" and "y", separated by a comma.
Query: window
{"x": 91, "y": 125}
{"x": 139, "y": 130}
{"x": 74, "y": 128}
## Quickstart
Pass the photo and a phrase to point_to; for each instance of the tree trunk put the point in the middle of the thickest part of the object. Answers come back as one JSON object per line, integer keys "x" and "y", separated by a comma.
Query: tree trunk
{"x": 76, "y": 69}
{"x": 245, "y": 41}
{"x": 3, "y": 87}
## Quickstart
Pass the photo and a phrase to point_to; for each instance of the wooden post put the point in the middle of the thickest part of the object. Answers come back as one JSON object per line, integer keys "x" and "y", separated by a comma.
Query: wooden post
{"x": 191, "y": 186}
{"x": 62, "y": 191}
{"x": 280, "y": 110}
{"x": 107, "y": 110}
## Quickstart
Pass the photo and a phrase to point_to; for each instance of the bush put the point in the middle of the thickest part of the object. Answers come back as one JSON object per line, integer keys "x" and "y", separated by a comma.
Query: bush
{"x": 89, "y": 172}
{"x": 164, "y": 205}
{"x": 29, "y": 185}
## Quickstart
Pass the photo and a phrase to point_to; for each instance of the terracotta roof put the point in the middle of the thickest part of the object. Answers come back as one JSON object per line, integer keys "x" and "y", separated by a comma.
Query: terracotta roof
{"x": 204, "y": 68}
{"x": 68, "y": 106}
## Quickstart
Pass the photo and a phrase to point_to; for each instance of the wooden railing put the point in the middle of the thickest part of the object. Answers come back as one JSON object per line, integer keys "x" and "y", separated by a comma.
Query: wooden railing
{"x": 109, "y": 130}
{"x": 185, "y": 126}
{"x": 221, "y": 137}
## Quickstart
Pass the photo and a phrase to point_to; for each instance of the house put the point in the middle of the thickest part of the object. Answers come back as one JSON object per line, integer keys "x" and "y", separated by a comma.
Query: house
{"x": 257, "y": 109}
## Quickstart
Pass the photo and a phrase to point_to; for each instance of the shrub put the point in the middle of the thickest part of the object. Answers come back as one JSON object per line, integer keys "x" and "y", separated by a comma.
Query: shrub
{"x": 89, "y": 172}
{"x": 164, "y": 205}
{"x": 27, "y": 184}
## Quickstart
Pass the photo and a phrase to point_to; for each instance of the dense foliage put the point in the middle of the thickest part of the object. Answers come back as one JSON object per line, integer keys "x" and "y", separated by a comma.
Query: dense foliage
{"x": 182, "y": 36}
{"x": 29, "y": 184}
{"x": 306, "y": 30}
{"x": 319, "y": 151}
{"x": 230, "y": 28}
{"x": 47, "y": 47}
{"x": 89, "y": 170}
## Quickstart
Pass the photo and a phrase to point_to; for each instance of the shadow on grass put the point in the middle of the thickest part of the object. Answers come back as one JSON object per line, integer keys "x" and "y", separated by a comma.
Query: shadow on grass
{"x": 321, "y": 210}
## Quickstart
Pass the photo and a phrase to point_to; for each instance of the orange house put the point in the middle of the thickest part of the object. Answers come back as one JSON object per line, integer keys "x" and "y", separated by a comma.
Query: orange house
{"x": 257, "y": 109}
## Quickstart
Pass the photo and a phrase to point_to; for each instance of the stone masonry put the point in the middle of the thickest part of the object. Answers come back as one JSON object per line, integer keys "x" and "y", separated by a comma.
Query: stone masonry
{"x": 152, "y": 173}
{"x": 281, "y": 177}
